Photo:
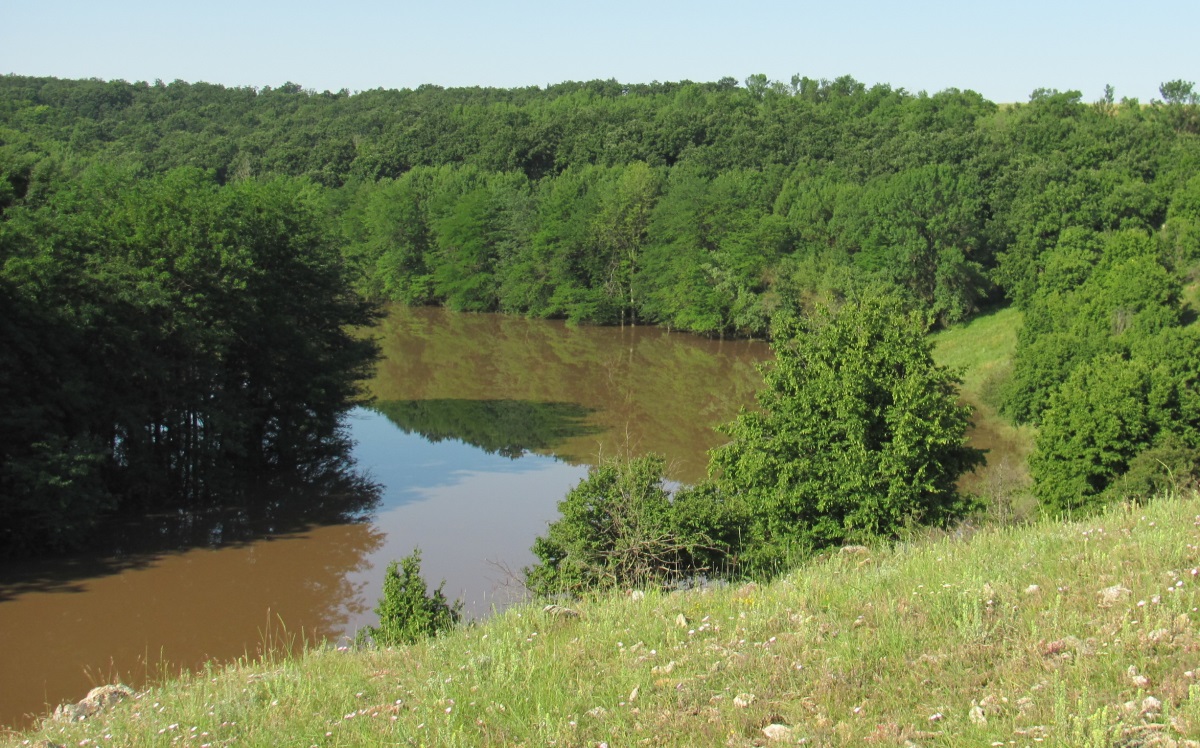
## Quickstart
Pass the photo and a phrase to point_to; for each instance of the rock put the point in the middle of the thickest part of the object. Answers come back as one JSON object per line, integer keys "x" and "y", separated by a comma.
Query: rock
{"x": 936, "y": 717}
{"x": 1151, "y": 707}
{"x": 1158, "y": 636}
{"x": 990, "y": 704}
{"x": 1032, "y": 589}
{"x": 663, "y": 669}
{"x": 97, "y": 700}
{"x": 1110, "y": 596}
{"x": 743, "y": 700}
{"x": 977, "y": 716}
{"x": 777, "y": 732}
{"x": 681, "y": 621}
{"x": 634, "y": 693}
{"x": 851, "y": 550}
{"x": 560, "y": 612}
{"x": 637, "y": 595}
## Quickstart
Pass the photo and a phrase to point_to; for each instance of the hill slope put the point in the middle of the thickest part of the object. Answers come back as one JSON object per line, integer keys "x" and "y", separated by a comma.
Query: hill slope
{"x": 1066, "y": 634}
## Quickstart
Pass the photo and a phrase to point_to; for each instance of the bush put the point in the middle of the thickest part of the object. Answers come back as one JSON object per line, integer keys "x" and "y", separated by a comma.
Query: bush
{"x": 860, "y": 434}
{"x": 620, "y": 528}
{"x": 407, "y": 612}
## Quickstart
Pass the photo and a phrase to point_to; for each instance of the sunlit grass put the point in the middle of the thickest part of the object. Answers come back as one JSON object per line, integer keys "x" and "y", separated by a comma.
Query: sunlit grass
{"x": 982, "y": 351}
{"x": 1078, "y": 634}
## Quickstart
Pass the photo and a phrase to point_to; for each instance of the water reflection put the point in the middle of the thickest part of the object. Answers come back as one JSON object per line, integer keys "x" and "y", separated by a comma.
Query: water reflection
{"x": 178, "y": 609}
{"x": 474, "y": 514}
{"x": 644, "y": 389}
{"x": 506, "y": 427}
{"x": 482, "y": 423}
{"x": 174, "y": 588}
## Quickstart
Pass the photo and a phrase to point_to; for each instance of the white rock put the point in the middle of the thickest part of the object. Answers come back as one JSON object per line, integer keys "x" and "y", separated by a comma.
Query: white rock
{"x": 1110, "y": 596}
{"x": 777, "y": 732}
{"x": 1151, "y": 706}
{"x": 743, "y": 700}
{"x": 977, "y": 716}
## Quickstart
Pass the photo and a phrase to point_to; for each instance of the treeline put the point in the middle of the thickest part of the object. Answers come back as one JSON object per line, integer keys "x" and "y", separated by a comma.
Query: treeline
{"x": 710, "y": 207}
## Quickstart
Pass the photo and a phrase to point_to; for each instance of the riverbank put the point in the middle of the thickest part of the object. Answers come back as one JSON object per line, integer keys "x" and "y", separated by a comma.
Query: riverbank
{"x": 1083, "y": 633}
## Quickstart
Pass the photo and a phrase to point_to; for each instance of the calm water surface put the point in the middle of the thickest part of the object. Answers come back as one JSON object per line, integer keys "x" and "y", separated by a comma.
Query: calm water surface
{"x": 481, "y": 424}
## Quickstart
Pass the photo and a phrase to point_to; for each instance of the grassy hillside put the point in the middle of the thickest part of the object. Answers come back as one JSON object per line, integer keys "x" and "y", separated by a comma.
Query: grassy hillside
{"x": 982, "y": 349}
{"x": 1060, "y": 634}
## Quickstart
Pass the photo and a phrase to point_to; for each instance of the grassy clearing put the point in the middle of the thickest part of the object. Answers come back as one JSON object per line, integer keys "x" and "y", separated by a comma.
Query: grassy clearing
{"x": 983, "y": 350}
{"x": 1191, "y": 301}
{"x": 1072, "y": 634}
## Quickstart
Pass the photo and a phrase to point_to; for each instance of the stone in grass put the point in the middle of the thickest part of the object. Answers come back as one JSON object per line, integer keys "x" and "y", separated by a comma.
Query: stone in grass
{"x": 681, "y": 621}
{"x": 977, "y": 716}
{"x": 777, "y": 732}
{"x": 1137, "y": 678}
{"x": 97, "y": 700}
{"x": 743, "y": 700}
{"x": 1151, "y": 707}
{"x": 1110, "y": 596}
{"x": 560, "y": 612}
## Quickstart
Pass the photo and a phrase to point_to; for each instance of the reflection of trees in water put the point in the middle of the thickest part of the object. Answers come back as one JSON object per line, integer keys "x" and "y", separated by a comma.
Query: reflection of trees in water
{"x": 319, "y": 493}
{"x": 506, "y": 427}
{"x": 648, "y": 390}
{"x": 277, "y": 577}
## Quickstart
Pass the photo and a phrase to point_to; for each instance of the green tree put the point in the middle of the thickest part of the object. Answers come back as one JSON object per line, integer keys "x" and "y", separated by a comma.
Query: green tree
{"x": 860, "y": 434}
{"x": 1097, "y": 422}
{"x": 407, "y": 611}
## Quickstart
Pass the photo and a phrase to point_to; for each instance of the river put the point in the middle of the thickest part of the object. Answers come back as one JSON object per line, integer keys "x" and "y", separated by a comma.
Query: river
{"x": 480, "y": 425}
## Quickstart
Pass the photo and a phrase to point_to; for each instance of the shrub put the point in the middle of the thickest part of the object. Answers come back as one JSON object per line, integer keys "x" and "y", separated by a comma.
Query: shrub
{"x": 407, "y": 612}
{"x": 620, "y": 528}
{"x": 860, "y": 434}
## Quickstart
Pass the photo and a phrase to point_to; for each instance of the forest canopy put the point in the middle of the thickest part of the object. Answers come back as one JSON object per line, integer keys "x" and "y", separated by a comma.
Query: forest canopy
{"x": 159, "y": 224}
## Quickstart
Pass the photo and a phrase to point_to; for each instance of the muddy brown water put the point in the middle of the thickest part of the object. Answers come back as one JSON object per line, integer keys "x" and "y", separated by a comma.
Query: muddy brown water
{"x": 480, "y": 426}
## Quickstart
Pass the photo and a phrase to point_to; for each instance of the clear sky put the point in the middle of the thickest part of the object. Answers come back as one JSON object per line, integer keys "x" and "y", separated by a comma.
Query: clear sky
{"x": 1003, "y": 50}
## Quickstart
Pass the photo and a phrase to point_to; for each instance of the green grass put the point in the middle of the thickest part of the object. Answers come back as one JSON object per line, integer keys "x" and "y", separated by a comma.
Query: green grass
{"x": 982, "y": 351}
{"x": 1191, "y": 300}
{"x": 982, "y": 348}
{"x": 945, "y": 640}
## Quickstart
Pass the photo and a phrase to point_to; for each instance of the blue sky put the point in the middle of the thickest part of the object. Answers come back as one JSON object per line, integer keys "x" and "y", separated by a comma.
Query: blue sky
{"x": 1003, "y": 50}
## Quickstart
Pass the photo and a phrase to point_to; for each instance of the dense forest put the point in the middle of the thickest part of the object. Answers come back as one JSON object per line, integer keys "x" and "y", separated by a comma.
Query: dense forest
{"x": 155, "y": 239}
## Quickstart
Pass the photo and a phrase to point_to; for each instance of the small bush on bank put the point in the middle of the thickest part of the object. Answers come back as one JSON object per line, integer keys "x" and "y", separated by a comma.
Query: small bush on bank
{"x": 621, "y": 528}
{"x": 407, "y": 611}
